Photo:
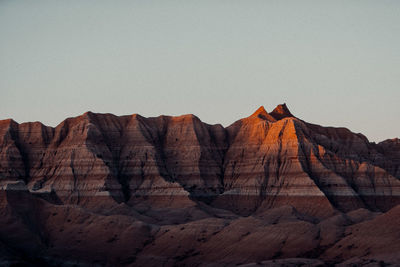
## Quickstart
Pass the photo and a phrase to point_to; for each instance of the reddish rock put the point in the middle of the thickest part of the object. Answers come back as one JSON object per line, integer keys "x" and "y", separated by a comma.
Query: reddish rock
{"x": 270, "y": 188}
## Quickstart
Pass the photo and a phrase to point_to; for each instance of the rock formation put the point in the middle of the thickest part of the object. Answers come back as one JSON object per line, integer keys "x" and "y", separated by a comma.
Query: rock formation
{"x": 269, "y": 189}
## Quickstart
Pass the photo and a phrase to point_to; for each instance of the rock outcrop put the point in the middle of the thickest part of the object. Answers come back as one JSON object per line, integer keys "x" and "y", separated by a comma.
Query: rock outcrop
{"x": 160, "y": 183}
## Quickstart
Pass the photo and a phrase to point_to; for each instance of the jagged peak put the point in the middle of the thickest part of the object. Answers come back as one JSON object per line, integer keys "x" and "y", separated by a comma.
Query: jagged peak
{"x": 261, "y": 110}
{"x": 90, "y": 116}
{"x": 88, "y": 113}
{"x": 262, "y": 114}
{"x": 281, "y": 111}
{"x": 136, "y": 116}
{"x": 7, "y": 122}
{"x": 185, "y": 117}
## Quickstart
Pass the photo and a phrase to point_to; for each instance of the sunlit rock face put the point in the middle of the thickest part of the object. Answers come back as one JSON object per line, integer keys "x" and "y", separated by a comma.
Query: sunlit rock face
{"x": 152, "y": 173}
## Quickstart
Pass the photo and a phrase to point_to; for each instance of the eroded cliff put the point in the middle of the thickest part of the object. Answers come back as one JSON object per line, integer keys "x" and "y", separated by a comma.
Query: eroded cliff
{"x": 151, "y": 174}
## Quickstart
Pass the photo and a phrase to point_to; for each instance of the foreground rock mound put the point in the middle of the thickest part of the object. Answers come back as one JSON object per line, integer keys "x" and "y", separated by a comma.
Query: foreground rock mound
{"x": 270, "y": 189}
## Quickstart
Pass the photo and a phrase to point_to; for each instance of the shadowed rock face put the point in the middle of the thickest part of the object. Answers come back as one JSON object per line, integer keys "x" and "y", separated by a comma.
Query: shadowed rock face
{"x": 175, "y": 190}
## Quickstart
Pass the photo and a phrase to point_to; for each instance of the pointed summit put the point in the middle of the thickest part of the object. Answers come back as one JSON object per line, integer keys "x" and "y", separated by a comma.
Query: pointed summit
{"x": 280, "y": 112}
{"x": 262, "y": 114}
{"x": 261, "y": 110}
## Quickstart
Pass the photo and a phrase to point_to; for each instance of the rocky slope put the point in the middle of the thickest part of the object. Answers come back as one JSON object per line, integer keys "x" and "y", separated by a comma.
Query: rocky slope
{"x": 269, "y": 189}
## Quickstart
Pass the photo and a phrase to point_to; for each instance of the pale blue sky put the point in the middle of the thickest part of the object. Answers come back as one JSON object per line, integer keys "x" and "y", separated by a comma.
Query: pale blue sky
{"x": 334, "y": 63}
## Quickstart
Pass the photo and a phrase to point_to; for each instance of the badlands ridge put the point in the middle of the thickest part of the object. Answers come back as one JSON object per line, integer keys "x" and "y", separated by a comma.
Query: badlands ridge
{"x": 270, "y": 189}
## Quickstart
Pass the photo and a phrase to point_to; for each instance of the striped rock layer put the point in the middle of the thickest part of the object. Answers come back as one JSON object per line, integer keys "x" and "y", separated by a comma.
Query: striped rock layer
{"x": 264, "y": 161}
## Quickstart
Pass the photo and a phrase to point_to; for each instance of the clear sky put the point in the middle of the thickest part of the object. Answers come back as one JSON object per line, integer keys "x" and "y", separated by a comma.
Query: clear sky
{"x": 334, "y": 63}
